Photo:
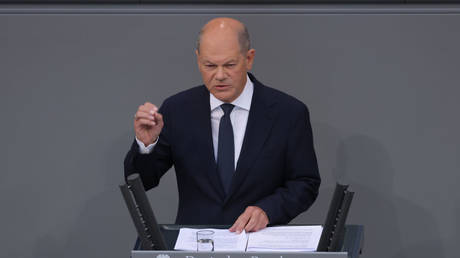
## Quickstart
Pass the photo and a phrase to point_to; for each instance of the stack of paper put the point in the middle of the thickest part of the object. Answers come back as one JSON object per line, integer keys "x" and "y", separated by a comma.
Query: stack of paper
{"x": 224, "y": 240}
{"x": 271, "y": 239}
{"x": 285, "y": 239}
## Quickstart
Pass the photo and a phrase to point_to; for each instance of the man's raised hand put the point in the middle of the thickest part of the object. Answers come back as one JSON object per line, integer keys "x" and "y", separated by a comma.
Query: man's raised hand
{"x": 147, "y": 123}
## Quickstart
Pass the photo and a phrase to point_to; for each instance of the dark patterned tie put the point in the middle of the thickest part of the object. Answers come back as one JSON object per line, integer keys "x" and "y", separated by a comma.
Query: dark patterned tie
{"x": 226, "y": 148}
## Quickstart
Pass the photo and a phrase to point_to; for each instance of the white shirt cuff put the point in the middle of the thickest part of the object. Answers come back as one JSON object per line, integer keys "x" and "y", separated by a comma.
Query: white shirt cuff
{"x": 146, "y": 150}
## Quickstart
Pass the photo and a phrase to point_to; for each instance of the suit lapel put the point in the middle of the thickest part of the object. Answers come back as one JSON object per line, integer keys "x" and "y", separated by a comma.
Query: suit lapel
{"x": 204, "y": 118}
{"x": 260, "y": 122}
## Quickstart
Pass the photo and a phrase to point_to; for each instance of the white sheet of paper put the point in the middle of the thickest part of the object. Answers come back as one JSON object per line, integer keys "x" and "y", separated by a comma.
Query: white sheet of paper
{"x": 224, "y": 240}
{"x": 285, "y": 239}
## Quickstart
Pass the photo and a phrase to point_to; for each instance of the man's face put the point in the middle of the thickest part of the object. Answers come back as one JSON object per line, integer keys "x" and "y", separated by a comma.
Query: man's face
{"x": 223, "y": 67}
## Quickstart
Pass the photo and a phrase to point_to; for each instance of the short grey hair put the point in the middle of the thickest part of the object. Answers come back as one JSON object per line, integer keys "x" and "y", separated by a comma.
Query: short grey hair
{"x": 243, "y": 39}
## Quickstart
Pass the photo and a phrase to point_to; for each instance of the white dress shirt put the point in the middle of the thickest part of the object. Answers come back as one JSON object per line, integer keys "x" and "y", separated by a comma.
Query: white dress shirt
{"x": 238, "y": 117}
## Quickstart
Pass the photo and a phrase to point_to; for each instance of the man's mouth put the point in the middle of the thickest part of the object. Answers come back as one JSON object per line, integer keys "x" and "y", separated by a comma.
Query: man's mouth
{"x": 222, "y": 86}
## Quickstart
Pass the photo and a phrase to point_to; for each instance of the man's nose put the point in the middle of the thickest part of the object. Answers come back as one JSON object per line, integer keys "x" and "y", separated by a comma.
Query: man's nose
{"x": 220, "y": 74}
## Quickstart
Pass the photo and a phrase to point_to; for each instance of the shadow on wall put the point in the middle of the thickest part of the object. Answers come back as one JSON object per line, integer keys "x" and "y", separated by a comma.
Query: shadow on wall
{"x": 394, "y": 227}
{"x": 103, "y": 227}
{"x": 456, "y": 227}
{"x": 326, "y": 140}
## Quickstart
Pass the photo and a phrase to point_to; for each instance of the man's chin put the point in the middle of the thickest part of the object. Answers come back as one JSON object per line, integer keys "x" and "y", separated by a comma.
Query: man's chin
{"x": 223, "y": 96}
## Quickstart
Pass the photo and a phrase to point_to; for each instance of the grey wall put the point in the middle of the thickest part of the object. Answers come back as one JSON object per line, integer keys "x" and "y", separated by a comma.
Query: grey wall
{"x": 381, "y": 85}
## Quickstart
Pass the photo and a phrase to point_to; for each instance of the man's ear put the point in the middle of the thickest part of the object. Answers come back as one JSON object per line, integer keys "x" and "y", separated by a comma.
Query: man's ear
{"x": 250, "y": 58}
{"x": 197, "y": 57}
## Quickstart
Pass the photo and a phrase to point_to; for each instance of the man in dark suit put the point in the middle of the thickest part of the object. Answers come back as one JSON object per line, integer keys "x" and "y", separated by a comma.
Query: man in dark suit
{"x": 243, "y": 152}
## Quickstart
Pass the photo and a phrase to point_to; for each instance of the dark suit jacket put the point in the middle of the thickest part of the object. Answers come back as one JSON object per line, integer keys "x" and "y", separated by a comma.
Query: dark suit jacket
{"x": 276, "y": 171}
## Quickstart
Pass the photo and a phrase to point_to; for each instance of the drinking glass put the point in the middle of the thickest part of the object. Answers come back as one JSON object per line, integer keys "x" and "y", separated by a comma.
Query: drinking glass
{"x": 205, "y": 240}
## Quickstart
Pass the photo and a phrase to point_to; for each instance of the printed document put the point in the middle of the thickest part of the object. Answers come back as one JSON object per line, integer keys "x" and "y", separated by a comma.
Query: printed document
{"x": 285, "y": 239}
{"x": 271, "y": 239}
{"x": 224, "y": 240}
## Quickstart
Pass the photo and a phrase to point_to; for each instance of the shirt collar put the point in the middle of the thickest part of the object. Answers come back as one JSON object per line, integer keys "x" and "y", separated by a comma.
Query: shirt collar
{"x": 243, "y": 101}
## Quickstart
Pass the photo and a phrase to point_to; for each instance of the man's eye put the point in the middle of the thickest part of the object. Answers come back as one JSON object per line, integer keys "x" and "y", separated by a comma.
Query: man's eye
{"x": 230, "y": 65}
{"x": 210, "y": 65}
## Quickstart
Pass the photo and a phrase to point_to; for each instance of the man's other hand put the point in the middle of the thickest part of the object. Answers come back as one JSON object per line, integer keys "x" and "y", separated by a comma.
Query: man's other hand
{"x": 147, "y": 123}
{"x": 253, "y": 219}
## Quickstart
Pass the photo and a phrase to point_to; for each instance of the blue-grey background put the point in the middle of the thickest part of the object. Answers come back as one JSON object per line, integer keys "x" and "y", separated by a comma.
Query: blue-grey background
{"x": 381, "y": 82}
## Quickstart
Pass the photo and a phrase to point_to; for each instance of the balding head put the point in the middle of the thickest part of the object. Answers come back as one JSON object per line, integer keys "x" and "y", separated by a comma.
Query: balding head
{"x": 224, "y": 57}
{"x": 227, "y": 27}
